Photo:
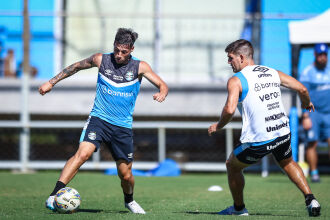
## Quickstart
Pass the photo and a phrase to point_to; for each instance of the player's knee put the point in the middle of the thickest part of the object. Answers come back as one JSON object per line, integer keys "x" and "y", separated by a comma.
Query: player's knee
{"x": 126, "y": 176}
{"x": 83, "y": 156}
{"x": 312, "y": 145}
{"x": 228, "y": 164}
{"x": 232, "y": 167}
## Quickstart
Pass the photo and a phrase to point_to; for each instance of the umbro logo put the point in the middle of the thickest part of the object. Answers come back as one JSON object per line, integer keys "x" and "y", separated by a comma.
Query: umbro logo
{"x": 108, "y": 72}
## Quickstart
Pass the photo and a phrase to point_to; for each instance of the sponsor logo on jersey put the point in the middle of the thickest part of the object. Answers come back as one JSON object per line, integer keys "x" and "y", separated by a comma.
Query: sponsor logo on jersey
{"x": 114, "y": 93}
{"x": 274, "y": 116}
{"x": 92, "y": 135}
{"x": 117, "y": 77}
{"x": 269, "y": 96}
{"x": 259, "y": 86}
{"x": 277, "y": 127}
{"x": 251, "y": 158}
{"x": 274, "y": 105}
{"x": 271, "y": 147}
{"x": 129, "y": 76}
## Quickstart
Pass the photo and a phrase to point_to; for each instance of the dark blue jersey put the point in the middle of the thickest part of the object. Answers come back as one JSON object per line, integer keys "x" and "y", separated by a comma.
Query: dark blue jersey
{"x": 116, "y": 91}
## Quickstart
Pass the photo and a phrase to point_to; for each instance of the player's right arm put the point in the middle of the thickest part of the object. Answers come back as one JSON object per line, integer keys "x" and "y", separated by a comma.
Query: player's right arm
{"x": 291, "y": 83}
{"x": 234, "y": 89}
{"x": 92, "y": 61}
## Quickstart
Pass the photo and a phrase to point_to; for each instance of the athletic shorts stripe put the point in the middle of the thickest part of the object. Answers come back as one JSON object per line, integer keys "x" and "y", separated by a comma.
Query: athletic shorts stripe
{"x": 251, "y": 153}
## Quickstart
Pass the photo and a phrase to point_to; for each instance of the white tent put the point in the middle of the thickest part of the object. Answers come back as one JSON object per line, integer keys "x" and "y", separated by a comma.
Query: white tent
{"x": 306, "y": 33}
{"x": 311, "y": 31}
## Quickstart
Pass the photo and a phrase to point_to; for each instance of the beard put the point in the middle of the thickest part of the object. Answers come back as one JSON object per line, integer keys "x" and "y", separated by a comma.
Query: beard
{"x": 320, "y": 66}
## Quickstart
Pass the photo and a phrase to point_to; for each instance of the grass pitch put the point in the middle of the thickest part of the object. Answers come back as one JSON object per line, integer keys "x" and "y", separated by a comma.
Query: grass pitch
{"x": 22, "y": 196}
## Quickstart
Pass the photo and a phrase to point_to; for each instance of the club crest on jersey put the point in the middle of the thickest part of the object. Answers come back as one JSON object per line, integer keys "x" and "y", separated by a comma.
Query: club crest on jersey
{"x": 92, "y": 135}
{"x": 129, "y": 76}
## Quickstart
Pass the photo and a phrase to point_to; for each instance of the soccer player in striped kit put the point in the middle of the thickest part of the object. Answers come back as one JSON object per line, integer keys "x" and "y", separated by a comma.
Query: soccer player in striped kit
{"x": 255, "y": 90}
{"x": 110, "y": 121}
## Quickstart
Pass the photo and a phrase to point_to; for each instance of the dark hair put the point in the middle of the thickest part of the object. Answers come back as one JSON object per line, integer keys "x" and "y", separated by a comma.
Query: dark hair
{"x": 240, "y": 46}
{"x": 125, "y": 36}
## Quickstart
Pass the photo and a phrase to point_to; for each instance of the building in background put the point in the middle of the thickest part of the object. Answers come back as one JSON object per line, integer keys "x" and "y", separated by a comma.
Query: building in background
{"x": 192, "y": 38}
{"x": 43, "y": 25}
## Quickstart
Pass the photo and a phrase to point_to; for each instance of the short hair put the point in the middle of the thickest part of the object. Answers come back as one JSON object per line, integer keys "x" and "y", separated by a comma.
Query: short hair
{"x": 239, "y": 47}
{"x": 126, "y": 36}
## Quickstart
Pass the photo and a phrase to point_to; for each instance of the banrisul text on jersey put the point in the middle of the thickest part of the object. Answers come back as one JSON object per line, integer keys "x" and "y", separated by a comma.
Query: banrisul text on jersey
{"x": 116, "y": 91}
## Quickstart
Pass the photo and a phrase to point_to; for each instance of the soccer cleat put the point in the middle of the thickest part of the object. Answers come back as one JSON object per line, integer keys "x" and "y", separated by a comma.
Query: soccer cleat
{"x": 315, "y": 178}
{"x": 231, "y": 211}
{"x": 50, "y": 203}
{"x": 135, "y": 207}
{"x": 314, "y": 208}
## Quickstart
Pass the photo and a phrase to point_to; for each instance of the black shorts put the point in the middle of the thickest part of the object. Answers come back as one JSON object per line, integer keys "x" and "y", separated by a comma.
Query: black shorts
{"x": 119, "y": 140}
{"x": 251, "y": 153}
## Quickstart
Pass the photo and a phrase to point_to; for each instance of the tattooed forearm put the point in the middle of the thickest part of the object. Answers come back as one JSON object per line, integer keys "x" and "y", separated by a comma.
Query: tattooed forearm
{"x": 72, "y": 69}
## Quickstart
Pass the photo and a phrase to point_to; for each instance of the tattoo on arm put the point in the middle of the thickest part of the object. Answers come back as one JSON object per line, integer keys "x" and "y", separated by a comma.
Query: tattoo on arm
{"x": 72, "y": 69}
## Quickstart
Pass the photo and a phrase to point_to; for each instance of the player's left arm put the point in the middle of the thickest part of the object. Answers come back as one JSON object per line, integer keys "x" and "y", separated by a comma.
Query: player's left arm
{"x": 146, "y": 71}
{"x": 234, "y": 88}
{"x": 291, "y": 83}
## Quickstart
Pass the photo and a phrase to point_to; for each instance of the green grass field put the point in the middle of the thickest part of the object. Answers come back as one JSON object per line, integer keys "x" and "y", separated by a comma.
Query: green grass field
{"x": 22, "y": 196}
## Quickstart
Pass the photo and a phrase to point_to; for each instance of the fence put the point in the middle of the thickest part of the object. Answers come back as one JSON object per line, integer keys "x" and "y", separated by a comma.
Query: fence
{"x": 189, "y": 46}
{"x": 21, "y": 158}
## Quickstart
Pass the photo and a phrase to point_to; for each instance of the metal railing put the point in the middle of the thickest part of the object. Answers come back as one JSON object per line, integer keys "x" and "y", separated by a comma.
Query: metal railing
{"x": 25, "y": 164}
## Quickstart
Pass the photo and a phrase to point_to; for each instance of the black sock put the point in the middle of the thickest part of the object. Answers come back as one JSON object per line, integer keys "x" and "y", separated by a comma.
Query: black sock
{"x": 128, "y": 197}
{"x": 240, "y": 207}
{"x": 59, "y": 185}
{"x": 309, "y": 198}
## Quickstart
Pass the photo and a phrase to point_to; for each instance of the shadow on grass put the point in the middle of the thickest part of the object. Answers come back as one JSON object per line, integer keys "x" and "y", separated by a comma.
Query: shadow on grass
{"x": 216, "y": 213}
{"x": 90, "y": 210}
{"x": 95, "y": 211}
{"x": 198, "y": 213}
{"x": 101, "y": 210}
{"x": 268, "y": 214}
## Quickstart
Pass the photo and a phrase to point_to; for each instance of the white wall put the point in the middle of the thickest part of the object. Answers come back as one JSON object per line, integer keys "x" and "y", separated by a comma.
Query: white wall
{"x": 190, "y": 30}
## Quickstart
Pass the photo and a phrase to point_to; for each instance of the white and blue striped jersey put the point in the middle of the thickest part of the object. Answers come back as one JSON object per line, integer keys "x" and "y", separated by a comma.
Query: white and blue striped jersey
{"x": 116, "y": 91}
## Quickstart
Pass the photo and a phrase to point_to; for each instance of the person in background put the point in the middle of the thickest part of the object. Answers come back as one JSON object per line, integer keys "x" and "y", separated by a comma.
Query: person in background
{"x": 10, "y": 64}
{"x": 316, "y": 78}
{"x": 1, "y": 60}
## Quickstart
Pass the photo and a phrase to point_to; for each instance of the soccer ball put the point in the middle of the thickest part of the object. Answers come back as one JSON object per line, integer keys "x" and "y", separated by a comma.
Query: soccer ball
{"x": 67, "y": 200}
